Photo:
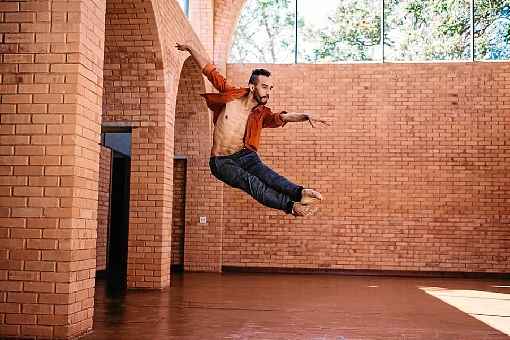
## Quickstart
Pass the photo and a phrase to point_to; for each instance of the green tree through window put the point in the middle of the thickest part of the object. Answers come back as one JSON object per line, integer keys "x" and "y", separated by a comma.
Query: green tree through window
{"x": 345, "y": 30}
{"x": 492, "y": 29}
{"x": 427, "y": 30}
{"x": 265, "y": 33}
{"x": 350, "y": 30}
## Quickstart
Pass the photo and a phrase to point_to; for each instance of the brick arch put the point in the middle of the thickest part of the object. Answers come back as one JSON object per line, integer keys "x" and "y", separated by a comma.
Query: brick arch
{"x": 141, "y": 88}
{"x": 173, "y": 29}
{"x": 134, "y": 94}
{"x": 192, "y": 119}
{"x": 193, "y": 140}
{"x": 226, "y": 17}
{"x": 201, "y": 16}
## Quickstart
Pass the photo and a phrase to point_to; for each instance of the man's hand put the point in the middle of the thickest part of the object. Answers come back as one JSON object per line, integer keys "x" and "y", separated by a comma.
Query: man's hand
{"x": 199, "y": 58}
{"x": 183, "y": 47}
{"x": 312, "y": 120}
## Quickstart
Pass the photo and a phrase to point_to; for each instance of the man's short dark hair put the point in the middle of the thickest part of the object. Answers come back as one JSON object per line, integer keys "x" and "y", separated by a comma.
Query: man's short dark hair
{"x": 256, "y": 73}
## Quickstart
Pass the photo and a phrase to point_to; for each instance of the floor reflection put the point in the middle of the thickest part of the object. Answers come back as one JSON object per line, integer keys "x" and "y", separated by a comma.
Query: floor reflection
{"x": 280, "y": 306}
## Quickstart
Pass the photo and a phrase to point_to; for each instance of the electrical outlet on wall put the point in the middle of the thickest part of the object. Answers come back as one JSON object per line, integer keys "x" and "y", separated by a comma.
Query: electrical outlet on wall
{"x": 203, "y": 220}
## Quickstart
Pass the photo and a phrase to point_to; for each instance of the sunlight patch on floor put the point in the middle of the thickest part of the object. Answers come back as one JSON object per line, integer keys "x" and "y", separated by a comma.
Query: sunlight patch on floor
{"x": 488, "y": 307}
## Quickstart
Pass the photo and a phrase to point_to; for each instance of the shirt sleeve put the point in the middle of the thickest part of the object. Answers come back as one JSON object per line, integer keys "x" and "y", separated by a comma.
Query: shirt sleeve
{"x": 216, "y": 78}
{"x": 273, "y": 120}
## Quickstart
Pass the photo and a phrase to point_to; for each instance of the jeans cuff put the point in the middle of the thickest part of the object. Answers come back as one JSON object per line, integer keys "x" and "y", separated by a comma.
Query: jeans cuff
{"x": 289, "y": 207}
{"x": 298, "y": 194}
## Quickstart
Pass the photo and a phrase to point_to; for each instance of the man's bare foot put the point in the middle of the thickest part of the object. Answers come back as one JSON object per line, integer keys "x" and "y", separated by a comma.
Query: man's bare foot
{"x": 301, "y": 210}
{"x": 310, "y": 196}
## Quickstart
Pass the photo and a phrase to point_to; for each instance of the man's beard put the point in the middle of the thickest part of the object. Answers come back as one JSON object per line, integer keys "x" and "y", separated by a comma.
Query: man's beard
{"x": 261, "y": 100}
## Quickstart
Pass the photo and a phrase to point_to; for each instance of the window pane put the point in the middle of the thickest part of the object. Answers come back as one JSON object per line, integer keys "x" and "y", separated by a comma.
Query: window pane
{"x": 492, "y": 29}
{"x": 265, "y": 33}
{"x": 338, "y": 30}
{"x": 427, "y": 30}
{"x": 118, "y": 141}
{"x": 184, "y": 5}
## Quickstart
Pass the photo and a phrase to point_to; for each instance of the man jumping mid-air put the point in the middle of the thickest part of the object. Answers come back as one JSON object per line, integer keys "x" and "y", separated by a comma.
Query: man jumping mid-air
{"x": 239, "y": 115}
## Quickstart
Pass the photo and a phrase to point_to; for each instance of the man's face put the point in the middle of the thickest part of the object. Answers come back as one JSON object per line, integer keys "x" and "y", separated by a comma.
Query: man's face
{"x": 262, "y": 89}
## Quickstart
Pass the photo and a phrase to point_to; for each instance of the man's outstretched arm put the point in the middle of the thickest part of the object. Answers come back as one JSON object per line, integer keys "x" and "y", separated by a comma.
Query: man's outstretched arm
{"x": 207, "y": 68}
{"x": 291, "y": 117}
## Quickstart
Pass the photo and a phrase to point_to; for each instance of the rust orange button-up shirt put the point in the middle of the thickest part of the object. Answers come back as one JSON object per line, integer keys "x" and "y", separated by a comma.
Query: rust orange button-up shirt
{"x": 260, "y": 117}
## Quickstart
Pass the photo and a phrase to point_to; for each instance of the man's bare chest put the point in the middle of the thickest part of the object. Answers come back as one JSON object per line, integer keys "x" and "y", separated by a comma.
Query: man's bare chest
{"x": 235, "y": 115}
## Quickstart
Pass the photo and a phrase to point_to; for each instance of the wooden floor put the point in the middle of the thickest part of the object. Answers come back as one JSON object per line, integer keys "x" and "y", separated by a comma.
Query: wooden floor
{"x": 283, "y": 306}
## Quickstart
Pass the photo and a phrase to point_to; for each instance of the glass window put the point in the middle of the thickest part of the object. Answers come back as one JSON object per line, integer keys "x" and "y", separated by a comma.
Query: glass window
{"x": 339, "y": 30}
{"x": 185, "y": 6}
{"x": 427, "y": 30}
{"x": 492, "y": 29}
{"x": 118, "y": 141}
{"x": 350, "y": 30}
{"x": 265, "y": 33}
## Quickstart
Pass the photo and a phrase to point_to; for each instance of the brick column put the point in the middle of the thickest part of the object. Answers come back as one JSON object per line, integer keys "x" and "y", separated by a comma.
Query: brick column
{"x": 226, "y": 16}
{"x": 103, "y": 208}
{"x": 51, "y": 81}
{"x": 149, "y": 214}
{"x": 135, "y": 94}
{"x": 201, "y": 17}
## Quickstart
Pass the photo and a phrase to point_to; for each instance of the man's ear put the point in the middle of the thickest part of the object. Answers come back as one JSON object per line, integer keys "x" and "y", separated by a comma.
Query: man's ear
{"x": 252, "y": 87}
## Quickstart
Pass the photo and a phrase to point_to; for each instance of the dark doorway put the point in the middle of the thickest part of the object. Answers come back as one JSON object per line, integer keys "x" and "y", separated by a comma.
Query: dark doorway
{"x": 178, "y": 214}
{"x": 119, "y": 141}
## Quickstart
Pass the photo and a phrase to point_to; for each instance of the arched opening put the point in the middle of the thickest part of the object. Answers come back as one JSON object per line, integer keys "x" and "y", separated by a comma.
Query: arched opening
{"x": 192, "y": 180}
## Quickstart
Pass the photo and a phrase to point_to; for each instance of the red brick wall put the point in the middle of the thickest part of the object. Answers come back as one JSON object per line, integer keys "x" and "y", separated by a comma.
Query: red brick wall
{"x": 178, "y": 213}
{"x": 51, "y": 76}
{"x": 193, "y": 138}
{"x": 103, "y": 208}
{"x": 134, "y": 94}
{"x": 48, "y": 189}
{"x": 142, "y": 70}
{"x": 201, "y": 17}
{"x": 414, "y": 170}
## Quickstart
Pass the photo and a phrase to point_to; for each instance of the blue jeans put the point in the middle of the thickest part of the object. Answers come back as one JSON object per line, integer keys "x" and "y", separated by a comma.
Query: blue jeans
{"x": 244, "y": 170}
